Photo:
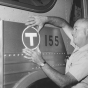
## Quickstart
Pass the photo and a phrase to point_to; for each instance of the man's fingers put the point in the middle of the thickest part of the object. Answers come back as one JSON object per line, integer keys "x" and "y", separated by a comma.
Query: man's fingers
{"x": 28, "y": 57}
{"x": 37, "y": 50}
{"x": 30, "y": 23}
{"x": 27, "y": 52}
{"x": 31, "y": 18}
{"x": 40, "y": 26}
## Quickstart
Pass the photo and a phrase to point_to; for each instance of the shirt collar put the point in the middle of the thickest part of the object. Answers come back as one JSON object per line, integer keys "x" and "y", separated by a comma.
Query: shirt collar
{"x": 84, "y": 48}
{"x": 76, "y": 47}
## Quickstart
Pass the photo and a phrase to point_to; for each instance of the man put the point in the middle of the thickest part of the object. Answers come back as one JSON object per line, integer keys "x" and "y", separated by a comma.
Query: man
{"x": 76, "y": 74}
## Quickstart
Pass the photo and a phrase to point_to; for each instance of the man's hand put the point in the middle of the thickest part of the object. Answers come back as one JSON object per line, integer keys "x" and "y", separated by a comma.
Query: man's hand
{"x": 37, "y": 21}
{"x": 35, "y": 56}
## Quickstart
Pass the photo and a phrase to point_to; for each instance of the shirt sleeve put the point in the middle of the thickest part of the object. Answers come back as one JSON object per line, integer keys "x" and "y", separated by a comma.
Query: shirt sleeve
{"x": 79, "y": 69}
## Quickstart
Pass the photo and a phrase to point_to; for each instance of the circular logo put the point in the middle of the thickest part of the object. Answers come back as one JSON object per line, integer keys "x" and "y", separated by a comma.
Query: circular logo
{"x": 30, "y": 38}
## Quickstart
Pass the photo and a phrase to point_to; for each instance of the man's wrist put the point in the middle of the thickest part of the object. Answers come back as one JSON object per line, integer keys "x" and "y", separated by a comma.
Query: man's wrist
{"x": 42, "y": 64}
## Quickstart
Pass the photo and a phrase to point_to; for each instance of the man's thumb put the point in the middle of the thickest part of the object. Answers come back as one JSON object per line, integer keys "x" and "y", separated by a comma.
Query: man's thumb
{"x": 40, "y": 27}
{"x": 38, "y": 50}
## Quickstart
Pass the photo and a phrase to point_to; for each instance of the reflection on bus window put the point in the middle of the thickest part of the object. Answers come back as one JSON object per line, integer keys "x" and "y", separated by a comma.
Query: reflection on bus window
{"x": 39, "y": 6}
{"x": 77, "y": 11}
{"x": 34, "y": 2}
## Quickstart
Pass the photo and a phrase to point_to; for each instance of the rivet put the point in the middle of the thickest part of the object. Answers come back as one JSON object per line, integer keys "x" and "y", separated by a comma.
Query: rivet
{"x": 13, "y": 54}
{"x": 5, "y": 55}
{"x": 22, "y": 54}
{"x": 9, "y": 55}
{"x": 18, "y": 54}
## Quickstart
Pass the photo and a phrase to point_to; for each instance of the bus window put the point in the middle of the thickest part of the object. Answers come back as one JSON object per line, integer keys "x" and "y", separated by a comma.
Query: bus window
{"x": 35, "y": 2}
{"x": 39, "y": 6}
{"x": 86, "y": 8}
{"x": 77, "y": 11}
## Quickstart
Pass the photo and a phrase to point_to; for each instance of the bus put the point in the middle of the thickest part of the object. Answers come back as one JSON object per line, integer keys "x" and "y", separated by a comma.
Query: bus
{"x": 15, "y": 70}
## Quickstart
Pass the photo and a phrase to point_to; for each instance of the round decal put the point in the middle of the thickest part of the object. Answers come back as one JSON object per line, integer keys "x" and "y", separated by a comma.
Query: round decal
{"x": 30, "y": 38}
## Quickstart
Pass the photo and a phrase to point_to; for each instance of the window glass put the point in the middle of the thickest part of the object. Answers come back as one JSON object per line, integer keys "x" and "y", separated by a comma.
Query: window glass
{"x": 77, "y": 11}
{"x": 40, "y": 6}
{"x": 35, "y": 2}
{"x": 87, "y": 8}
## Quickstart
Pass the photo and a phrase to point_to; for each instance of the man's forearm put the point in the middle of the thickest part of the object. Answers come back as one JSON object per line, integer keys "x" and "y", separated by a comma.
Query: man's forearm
{"x": 60, "y": 79}
{"x": 57, "y": 21}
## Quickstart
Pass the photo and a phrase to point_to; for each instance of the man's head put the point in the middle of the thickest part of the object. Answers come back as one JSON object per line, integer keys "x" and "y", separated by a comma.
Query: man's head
{"x": 80, "y": 33}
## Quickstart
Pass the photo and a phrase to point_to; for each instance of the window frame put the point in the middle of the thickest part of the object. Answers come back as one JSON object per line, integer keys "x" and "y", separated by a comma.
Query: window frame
{"x": 75, "y": 15}
{"x": 85, "y": 4}
{"x": 32, "y": 8}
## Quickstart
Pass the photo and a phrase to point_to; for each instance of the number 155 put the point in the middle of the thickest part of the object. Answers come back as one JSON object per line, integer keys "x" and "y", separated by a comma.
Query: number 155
{"x": 51, "y": 40}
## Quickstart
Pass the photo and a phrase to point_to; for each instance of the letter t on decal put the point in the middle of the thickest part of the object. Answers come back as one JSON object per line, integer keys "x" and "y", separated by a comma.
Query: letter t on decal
{"x": 31, "y": 35}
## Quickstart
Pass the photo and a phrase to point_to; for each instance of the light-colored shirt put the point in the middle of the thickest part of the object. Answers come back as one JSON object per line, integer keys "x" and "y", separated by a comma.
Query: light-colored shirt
{"x": 77, "y": 65}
